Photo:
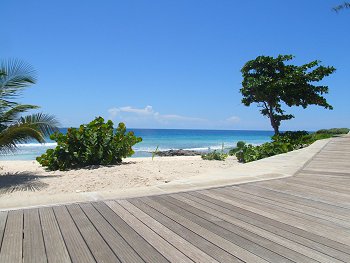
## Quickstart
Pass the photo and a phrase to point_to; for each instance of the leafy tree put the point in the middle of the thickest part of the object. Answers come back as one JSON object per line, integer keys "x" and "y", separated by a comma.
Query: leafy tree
{"x": 15, "y": 128}
{"x": 270, "y": 82}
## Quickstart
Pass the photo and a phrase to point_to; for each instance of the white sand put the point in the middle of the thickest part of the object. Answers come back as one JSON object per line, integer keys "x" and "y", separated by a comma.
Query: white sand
{"x": 136, "y": 172}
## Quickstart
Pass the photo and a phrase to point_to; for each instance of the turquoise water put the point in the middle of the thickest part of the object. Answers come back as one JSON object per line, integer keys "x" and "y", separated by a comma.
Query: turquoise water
{"x": 165, "y": 139}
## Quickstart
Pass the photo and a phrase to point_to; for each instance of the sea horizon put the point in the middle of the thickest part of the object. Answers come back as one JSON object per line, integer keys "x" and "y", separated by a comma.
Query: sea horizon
{"x": 202, "y": 140}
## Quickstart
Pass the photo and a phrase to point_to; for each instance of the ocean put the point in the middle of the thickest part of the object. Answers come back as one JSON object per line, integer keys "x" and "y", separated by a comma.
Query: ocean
{"x": 165, "y": 139}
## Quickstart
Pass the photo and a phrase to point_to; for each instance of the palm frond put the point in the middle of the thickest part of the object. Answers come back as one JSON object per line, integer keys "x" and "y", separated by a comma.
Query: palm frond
{"x": 15, "y": 76}
{"x": 19, "y": 133}
{"x": 12, "y": 114}
{"x": 44, "y": 123}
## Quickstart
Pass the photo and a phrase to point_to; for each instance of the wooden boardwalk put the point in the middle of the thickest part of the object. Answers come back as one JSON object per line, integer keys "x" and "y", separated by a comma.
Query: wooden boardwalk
{"x": 304, "y": 218}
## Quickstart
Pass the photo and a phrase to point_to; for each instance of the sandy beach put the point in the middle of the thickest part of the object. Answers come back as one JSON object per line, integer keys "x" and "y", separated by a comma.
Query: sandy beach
{"x": 29, "y": 178}
{"x": 27, "y": 184}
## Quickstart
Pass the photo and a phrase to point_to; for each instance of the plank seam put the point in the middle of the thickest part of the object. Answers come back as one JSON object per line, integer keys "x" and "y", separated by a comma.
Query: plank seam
{"x": 121, "y": 234}
{"x": 154, "y": 233}
{"x": 99, "y": 231}
{"x": 229, "y": 231}
{"x": 3, "y": 233}
{"x": 250, "y": 216}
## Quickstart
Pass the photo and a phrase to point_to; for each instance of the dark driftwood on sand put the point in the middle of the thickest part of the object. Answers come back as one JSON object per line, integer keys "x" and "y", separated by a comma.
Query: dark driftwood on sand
{"x": 178, "y": 153}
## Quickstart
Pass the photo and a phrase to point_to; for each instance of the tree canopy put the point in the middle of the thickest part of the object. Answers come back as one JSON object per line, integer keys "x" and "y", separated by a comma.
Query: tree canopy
{"x": 271, "y": 83}
{"x": 345, "y": 5}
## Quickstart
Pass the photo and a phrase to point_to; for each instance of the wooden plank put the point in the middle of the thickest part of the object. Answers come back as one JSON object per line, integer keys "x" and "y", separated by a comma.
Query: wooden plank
{"x": 76, "y": 246}
{"x": 119, "y": 246}
{"x": 56, "y": 250}
{"x": 253, "y": 221}
{"x": 335, "y": 200}
{"x": 285, "y": 209}
{"x": 336, "y": 181}
{"x": 303, "y": 237}
{"x": 332, "y": 196}
{"x": 272, "y": 241}
{"x": 167, "y": 250}
{"x": 98, "y": 247}
{"x": 339, "y": 218}
{"x": 285, "y": 197}
{"x": 33, "y": 242}
{"x": 178, "y": 242}
{"x": 233, "y": 249}
{"x": 212, "y": 250}
{"x": 341, "y": 175}
{"x": 328, "y": 185}
{"x": 3, "y": 218}
{"x": 335, "y": 233}
{"x": 209, "y": 221}
{"x": 144, "y": 249}
{"x": 11, "y": 249}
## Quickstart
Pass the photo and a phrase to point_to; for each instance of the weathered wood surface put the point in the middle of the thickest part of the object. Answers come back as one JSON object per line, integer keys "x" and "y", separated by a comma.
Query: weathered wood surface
{"x": 303, "y": 218}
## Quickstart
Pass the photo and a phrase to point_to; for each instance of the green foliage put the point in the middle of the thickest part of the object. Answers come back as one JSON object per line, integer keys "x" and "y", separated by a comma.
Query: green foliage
{"x": 251, "y": 153}
{"x": 240, "y": 145}
{"x": 15, "y": 128}
{"x": 282, "y": 143}
{"x": 216, "y": 155}
{"x": 295, "y": 138}
{"x": 345, "y": 5}
{"x": 93, "y": 144}
{"x": 334, "y": 131}
{"x": 270, "y": 82}
{"x": 154, "y": 153}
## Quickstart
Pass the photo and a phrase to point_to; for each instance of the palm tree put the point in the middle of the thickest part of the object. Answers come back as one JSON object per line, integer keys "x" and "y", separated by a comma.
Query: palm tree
{"x": 15, "y": 128}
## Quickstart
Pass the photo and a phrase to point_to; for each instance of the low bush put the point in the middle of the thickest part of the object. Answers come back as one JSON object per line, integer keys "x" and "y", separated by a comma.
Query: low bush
{"x": 295, "y": 138}
{"x": 334, "y": 131}
{"x": 215, "y": 155}
{"x": 251, "y": 153}
{"x": 282, "y": 143}
{"x": 96, "y": 143}
{"x": 240, "y": 146}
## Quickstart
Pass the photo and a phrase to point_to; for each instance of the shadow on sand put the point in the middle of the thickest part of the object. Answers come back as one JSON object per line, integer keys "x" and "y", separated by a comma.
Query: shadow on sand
{"x": 21, "y": 181}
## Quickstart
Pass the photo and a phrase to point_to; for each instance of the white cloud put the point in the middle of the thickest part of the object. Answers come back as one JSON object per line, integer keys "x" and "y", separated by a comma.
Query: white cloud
{"x": 233, "y": 119}
{"x": 148, "y": 117}
{"x": 148, "y": 113}
{"x": 148, "y": 110}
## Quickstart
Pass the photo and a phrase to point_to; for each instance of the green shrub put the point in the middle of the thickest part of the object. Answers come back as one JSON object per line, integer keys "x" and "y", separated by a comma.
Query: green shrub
{"x": 93, "y": 144}
{"x": 215, "y": 155}
{"x": 311, "y": 138}
{"x": 282, "y": 143}
{"x": 251, "y": 153}
{"x": 334, "y": 131}
{"x": 240, "y": 146}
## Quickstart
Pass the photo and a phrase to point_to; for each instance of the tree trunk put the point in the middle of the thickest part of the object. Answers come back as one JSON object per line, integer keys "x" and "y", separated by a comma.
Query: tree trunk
{"x": 274, "y": 124}
{"x": 269, "y": 111}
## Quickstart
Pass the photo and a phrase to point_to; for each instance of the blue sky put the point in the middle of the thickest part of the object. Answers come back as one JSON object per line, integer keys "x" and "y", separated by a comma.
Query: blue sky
{"x": 172, "y": 64}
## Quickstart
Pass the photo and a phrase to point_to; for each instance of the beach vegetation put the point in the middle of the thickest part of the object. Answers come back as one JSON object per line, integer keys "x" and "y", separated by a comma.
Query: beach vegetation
{"x": 96, "y": 143}
{"x": 334, "y": 131}
{"x": 154, "y": 153}
{"x": 215, "y": 155}
{"x": 281, "y": 143}
{"x": 273, "y": 83}
{"x": 240, "y": 145}
{"x": 15, "y": 127}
